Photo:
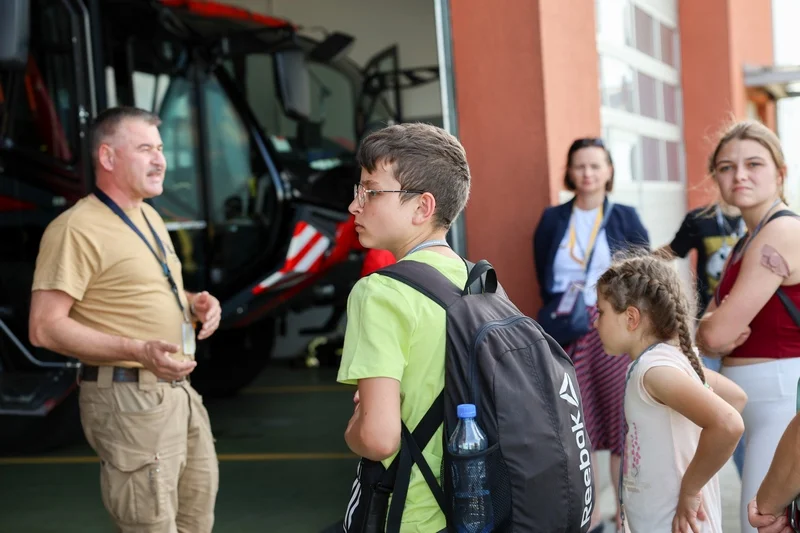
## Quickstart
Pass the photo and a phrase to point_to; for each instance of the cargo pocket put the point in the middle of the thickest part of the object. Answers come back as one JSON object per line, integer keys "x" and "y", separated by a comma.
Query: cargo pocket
{"x": 470, "y": 477}
{"x": 135, "y": 434}
{"x": 132, "y": 488}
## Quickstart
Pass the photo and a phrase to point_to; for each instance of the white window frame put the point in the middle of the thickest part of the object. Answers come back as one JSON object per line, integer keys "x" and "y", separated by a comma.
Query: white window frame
{"x": 662, "y": 12}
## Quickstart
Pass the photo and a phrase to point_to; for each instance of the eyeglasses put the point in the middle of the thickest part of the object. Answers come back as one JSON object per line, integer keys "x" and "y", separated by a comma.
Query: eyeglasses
{"x": 360, "y": 193}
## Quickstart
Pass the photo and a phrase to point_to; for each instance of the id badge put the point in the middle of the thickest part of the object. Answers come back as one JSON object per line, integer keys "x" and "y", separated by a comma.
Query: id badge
{"x": 568, "y": 299}
{"x": 188, "y": 336}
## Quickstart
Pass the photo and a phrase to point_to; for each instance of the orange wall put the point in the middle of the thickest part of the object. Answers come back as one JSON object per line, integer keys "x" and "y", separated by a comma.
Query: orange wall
{"x": 525, "y": 87}
{"x": 718, "y": 37}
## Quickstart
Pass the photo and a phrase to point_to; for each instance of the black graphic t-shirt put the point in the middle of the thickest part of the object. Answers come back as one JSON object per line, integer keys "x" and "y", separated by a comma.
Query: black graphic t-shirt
{"x": 713, "y": 235}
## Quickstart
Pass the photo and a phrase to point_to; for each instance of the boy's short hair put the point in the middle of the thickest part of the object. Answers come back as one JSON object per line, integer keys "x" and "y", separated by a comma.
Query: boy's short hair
{"x": 423, "y": 157}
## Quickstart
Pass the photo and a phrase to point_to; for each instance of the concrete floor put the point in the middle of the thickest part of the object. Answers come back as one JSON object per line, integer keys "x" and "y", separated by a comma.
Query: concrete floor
{"x": 284, "y": 466}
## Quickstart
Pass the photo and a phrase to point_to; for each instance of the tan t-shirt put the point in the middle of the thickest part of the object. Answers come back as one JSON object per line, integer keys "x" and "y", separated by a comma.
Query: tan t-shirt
{"x": 118, "y": 285}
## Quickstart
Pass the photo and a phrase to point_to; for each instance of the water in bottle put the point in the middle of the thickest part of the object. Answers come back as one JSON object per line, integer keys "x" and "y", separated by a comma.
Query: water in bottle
{"x": 473, "y": 503}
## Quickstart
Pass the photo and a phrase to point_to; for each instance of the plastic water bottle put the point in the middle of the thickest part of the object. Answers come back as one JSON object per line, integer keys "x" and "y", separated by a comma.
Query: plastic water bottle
{"x": 473, "y": 503}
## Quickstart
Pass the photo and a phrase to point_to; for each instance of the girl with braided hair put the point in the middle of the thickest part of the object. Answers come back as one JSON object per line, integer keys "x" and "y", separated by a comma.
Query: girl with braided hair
{"x": 682, "y": 421}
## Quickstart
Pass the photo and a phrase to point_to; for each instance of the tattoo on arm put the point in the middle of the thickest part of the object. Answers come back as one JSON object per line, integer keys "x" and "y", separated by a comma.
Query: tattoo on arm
{"x": 773, "y": 261}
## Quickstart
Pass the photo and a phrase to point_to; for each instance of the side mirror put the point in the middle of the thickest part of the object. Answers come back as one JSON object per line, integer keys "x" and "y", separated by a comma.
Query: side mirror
{"x": 293, "y": 83}
{"x": 333, "y": 46}
{"x": 14, "y": 33}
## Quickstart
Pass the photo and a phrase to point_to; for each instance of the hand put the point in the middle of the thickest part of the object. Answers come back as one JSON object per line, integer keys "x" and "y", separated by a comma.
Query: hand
{"x": 207, "y": 310}
{"x": 766, "y": 523}
{"x": 155, "y": 356}
{"x": 690, "y": 509}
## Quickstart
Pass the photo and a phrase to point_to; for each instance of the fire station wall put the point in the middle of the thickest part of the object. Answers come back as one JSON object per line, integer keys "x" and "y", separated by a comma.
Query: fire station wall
{"x": 376, "y": 25}
{"x": 718, "y": 38}
{"x": 526, "y": 85}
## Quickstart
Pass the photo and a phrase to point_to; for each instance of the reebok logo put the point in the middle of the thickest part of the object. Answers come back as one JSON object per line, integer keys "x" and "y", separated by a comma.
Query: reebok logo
{"x": 567, "y": 393}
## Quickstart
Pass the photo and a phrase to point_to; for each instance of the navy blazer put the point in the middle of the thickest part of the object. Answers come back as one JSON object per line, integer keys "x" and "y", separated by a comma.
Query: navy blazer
{"x": 624, "y": 230}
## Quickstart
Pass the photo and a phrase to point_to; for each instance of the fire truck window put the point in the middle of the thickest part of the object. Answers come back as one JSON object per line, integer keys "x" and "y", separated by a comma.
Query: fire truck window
{"x": 333, "y": 99}
{"x": 233, "y": 183}
{"x": 180, "y": 199}
{"x": 46, "y": 122}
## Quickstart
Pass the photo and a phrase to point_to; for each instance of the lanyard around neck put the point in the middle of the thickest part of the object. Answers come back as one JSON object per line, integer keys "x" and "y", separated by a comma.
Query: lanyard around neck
{"x": 598, "y": 221}
{"x": 111, "y": 204}
{"x": 427, "y": 244}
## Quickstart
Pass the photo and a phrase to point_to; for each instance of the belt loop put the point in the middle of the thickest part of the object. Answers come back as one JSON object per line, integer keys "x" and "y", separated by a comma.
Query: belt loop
{"x": 147, "y": 380}
{"x": 105, "y": 377}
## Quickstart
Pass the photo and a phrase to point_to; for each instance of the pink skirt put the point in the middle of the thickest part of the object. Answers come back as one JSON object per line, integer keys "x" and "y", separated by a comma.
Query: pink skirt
{"x": 601, "y": 379}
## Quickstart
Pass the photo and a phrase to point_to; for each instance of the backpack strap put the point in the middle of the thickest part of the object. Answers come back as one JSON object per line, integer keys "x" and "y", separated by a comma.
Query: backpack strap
{"x": 411, "y": 446}
{"x": 787, "y": 302}
{"x": 425, "y": 279}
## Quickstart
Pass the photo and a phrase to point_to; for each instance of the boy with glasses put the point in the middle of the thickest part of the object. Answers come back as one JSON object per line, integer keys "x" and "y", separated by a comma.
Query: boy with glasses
{"x": 414, "y": 182}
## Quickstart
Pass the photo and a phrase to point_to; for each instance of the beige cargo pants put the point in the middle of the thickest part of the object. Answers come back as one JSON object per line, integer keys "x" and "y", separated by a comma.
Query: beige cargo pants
{"x": 158, "y": 467}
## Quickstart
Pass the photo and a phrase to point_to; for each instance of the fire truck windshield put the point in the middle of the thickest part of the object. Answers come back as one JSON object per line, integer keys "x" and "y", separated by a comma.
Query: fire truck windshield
{"x": 329, "y": 133}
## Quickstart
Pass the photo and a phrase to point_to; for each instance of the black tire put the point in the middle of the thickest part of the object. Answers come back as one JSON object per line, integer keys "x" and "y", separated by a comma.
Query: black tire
{"x": 28, "y": 435}
{"x": 233, "y": 359}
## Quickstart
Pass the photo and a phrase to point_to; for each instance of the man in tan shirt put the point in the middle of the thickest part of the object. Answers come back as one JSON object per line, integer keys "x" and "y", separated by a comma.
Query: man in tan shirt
{"x": 108, "y": 290}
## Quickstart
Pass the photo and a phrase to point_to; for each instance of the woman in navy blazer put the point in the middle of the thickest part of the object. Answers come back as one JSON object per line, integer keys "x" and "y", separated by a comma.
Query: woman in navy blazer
{"x": 565, "y": 237}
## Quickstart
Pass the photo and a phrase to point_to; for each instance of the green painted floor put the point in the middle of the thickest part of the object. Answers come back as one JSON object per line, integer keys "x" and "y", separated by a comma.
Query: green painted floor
{"x": 284, "y": 466}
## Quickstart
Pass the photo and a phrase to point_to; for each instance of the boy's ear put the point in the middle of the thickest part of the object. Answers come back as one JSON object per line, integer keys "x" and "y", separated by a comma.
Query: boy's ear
{"x": 426, "y": 206}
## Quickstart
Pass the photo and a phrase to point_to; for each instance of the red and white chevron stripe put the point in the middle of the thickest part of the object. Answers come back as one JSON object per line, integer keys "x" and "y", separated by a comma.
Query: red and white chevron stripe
{"x": 305, "y": 253}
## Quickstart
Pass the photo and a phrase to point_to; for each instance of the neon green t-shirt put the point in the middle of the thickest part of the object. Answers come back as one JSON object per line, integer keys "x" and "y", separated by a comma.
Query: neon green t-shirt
{"x": 394, "y": 331}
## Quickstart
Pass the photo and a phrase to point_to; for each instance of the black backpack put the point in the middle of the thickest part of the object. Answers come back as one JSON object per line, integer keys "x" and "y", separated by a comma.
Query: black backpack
{"x": 526, "y": 392}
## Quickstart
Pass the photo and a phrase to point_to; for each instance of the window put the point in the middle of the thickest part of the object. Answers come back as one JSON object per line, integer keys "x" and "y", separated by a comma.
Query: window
{"x": 644, "y": 32}
{"x": 637, "y": 42}
{"x": 331, "y": 128}
{"x": 46, "y": 123}
{"x": 180, "y": 200}
{"x": 614, "y": 22}
{"x": 232, "y": 177}
{"x": 648, "y": 100}
{"x": 617, "y": 84}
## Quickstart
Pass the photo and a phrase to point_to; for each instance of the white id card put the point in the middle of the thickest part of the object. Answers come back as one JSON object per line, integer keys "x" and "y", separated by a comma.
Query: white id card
{"x": 568, "y": 299}
{"x": 188, "y": 336}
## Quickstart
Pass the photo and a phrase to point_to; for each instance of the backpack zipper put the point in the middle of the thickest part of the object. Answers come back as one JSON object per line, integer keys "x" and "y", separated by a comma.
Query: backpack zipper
{"x": 473, "y": 361}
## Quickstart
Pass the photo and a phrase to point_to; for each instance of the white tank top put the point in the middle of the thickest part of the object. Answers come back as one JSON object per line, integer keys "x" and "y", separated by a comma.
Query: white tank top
{"x": 566, "y": 269}
{"x": 659, "y": 446}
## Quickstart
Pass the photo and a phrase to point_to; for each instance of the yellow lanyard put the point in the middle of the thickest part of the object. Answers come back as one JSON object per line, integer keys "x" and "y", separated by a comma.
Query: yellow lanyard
{"x": 592, "y": 238}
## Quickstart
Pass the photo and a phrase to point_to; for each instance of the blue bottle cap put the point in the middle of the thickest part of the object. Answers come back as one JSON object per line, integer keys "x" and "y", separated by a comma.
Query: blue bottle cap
{"x": 466, "y": 410}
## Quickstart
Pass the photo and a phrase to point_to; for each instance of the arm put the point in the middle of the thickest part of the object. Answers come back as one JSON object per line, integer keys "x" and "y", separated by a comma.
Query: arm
{"x": 374, "y": 429}
{"x": 767, "y": 263}
{"x": 206, "y": 309}
{"x": 721, "y": 424}
{"x": 782, "y": 482}
{"x": 380, "y": 322}
{"x": 726, "y": 389}
{"x": 51, "y": 327}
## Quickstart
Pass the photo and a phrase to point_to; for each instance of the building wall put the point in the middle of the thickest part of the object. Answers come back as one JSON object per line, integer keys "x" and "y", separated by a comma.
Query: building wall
{"x": 719, "y": 37}
{"x": 525, "y": 88}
